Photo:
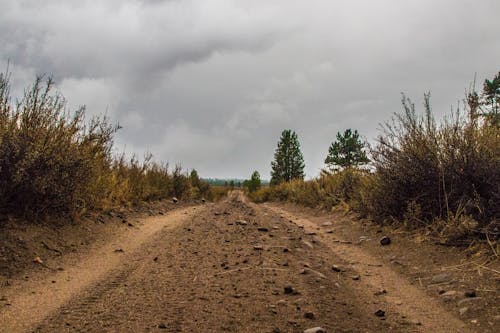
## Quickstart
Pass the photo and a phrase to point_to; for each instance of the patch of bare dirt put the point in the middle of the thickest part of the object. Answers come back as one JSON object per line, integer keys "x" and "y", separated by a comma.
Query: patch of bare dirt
{"x": 226, "y": 267}
{"x": 462, "y": 281}
{"x": 28, "y": 248}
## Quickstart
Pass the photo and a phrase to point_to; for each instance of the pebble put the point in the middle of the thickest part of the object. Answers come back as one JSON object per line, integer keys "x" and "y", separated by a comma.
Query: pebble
{"x": 449, "y": 293}
{"x": 356, "y": 277}
{"x": 440, "y": 278}
{"x": 463, "y": 310}
{"x": 309, "y": 245}
{"x": 315, "y": 330}
{"x": 380, "y": 313}
{"x": 336, "y": 268}
{"x": 380, "y": 292}
{"x": 241, "y": 222}
{"x": 326, "y": 224}
{"x": 258, "y": 247}
{"x": 263, "y": 229}
{"x": 470, "y": 293}
{"x": 175, "y": 200}
{"x": 309, "y": 315}
{"x": 385, "y": 241}
{"x": 289, "y": 290}
{"x": 162, "y": 326}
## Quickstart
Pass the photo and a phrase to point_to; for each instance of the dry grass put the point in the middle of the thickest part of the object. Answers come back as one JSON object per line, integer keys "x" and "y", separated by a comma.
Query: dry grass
{"x": 53, "y": 162}
{"x": 445, "y": 176}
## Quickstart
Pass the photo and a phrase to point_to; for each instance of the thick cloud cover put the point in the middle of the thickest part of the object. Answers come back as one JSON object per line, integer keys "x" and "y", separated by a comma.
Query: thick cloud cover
{"x": 211, "y": 84}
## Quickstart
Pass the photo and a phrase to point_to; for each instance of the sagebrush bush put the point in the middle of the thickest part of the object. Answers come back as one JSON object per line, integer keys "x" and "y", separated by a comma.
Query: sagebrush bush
{"x": 442, "y": 169}
{"x": 53, "y": 162}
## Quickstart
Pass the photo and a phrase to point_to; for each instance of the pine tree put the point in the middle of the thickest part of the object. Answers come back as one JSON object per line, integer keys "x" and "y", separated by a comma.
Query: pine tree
{"x": 288, "y": 161}
{"x": 347, "y": 151}
{"x": 254, "y": 183}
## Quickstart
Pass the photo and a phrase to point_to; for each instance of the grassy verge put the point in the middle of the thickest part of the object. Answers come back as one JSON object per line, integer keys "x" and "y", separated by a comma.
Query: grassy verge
{"x": 54, "y": 162}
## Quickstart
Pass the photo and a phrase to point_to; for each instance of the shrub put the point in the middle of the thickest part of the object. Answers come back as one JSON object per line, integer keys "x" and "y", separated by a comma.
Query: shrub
{"x": 445, "y": 169}
{"x": 52, "y": 162}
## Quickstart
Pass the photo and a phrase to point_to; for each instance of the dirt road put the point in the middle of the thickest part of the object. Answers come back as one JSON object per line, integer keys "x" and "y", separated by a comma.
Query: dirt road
{"x": 226, "y": 267}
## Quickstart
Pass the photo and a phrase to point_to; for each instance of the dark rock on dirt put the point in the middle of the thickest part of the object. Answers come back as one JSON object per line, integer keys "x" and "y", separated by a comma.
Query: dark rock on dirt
{"x": 162, "y": 326}
{"x": 289, "y": 290}
{"x": 380, "y": 313}
{"x": 337, "y": 268}
{"x": 385, "y": 241}
{"x": 309, "y": 315}
{"x": 175, "y": 200}
{"x": 470, "y": 293}
{"x": 263, "y": 229}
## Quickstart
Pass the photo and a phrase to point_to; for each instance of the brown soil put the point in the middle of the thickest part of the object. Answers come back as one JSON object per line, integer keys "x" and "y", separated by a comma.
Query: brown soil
{"x": 196, "y": 269}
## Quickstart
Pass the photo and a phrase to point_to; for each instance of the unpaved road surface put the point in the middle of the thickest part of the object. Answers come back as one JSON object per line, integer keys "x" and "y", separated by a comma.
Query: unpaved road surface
{"x": 227, "y": 267}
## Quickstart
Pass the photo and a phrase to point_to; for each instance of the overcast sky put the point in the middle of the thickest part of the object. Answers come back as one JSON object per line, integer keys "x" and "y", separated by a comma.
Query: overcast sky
{"x": 211, "y": 84}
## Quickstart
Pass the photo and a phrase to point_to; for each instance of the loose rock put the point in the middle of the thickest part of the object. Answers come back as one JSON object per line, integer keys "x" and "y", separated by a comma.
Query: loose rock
{"x": 463, "y": 310}
{"x": 336, "y": 268}
{"x": 263, "y": 229}
{"x": 175, "y": 200}
{"x": 470, "y": 293}
{"x": 380, "y": 313}
{"x": 440, "y": 278}
{"x": 385, "y": 241}
{"x": 315, "y": 330}
{"x": 309, "y": 315}
{"x": 289, "y": 290}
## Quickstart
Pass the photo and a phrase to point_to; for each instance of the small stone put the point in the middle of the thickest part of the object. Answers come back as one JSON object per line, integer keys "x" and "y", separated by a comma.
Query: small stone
{"x": 38, "y": 260}
{"x": 380, "y": 292}
{"x": 305, "y": 271}
{"x": 440, "y": 278}
{"x": 119, "y": 251}
{"x": 380, "y": 313}
{"x": 470, "y": 293}
{"x": 258, "y": 247}
{"x": 469, "y": 300}
{"x": 385, "y": 241}
{"x": 315, "y": 330}
{"x": 463, "y": 310}
{"x": 355, "y": 277}
{"x": 309, "y": 315}
{"x": 241, "y": 222}
{"x": 337, "y": 268}
{"x": 162, "y": 326}
{"x": 286, "y": 249}
{"x": 309, "y": 245}
{"x": 175, "y": 200}
{"x": 326, "y": 224}
{"x": 449, "y": 293}
{"x": 289, "y": 290}
{"x": 263, "y": 229}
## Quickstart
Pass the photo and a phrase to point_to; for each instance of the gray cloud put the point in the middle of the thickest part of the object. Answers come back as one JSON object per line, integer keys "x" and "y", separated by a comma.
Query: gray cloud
{"x": 211, "y": 84}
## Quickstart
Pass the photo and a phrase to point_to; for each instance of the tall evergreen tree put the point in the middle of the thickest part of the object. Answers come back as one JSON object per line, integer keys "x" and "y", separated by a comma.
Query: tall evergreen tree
{"x": 288, "y": 161}
{"x": 254, "y": 183}
{"x": 347, "y": 151}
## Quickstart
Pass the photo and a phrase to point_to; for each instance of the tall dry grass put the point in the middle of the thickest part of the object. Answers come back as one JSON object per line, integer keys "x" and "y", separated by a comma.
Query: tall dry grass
{"x": 52, "y": 161}
{"x": 445, "y": 175}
